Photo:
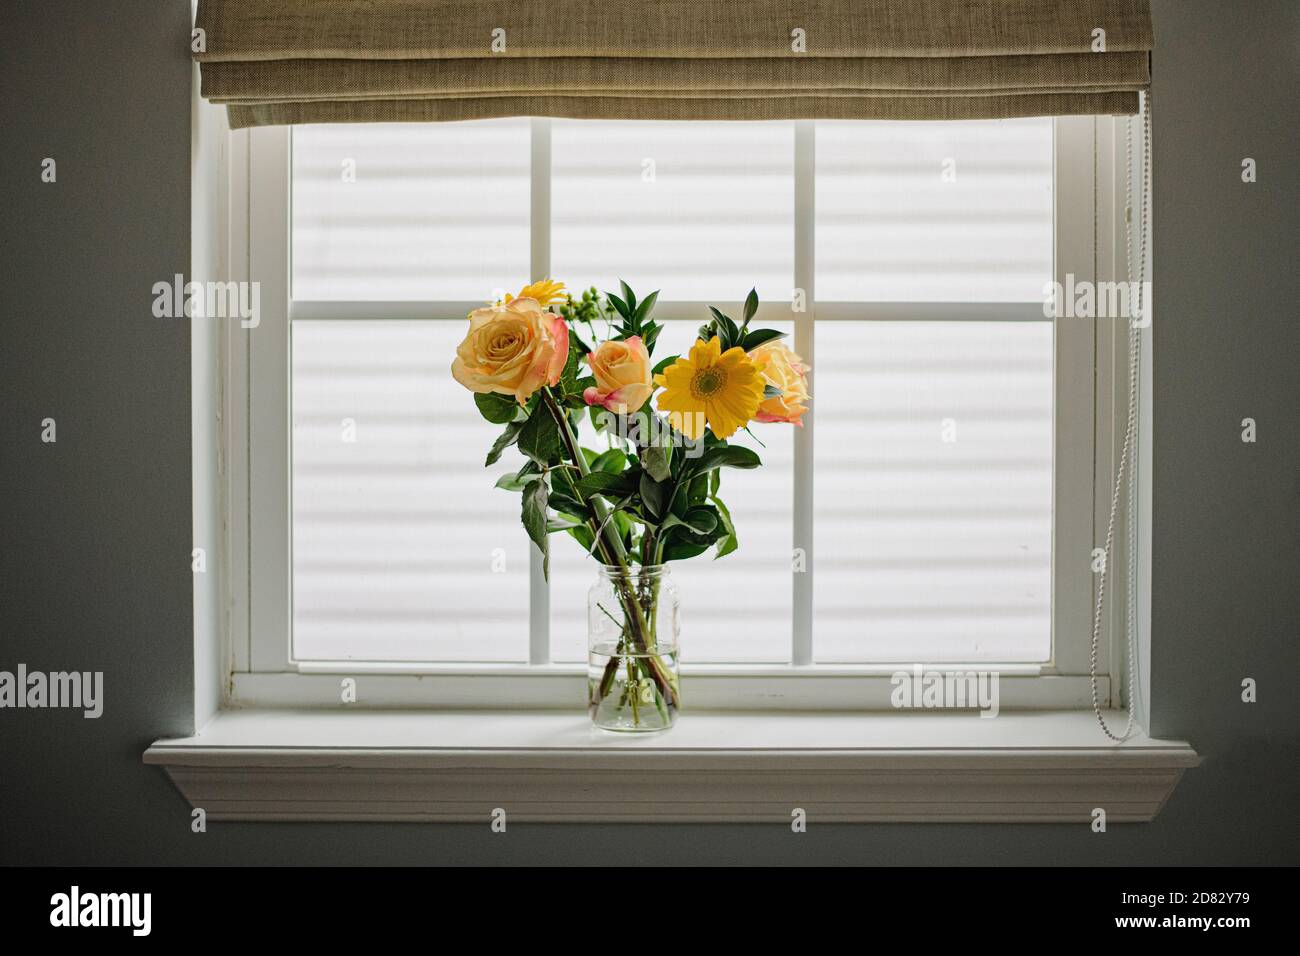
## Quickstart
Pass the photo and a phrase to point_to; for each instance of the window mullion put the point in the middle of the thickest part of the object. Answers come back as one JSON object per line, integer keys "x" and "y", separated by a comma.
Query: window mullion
{"x": 805, "y": 133}
{"x": 270, "y": 569}
{"x": 1074, "y": 380}
{"x": 539, "y": 257}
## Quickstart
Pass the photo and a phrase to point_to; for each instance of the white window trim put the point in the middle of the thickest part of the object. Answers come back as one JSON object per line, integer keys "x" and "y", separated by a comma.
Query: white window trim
{"x": 713, "y": 767}
{"x": 263, "y": 670}
{"x": 284, "y": 748}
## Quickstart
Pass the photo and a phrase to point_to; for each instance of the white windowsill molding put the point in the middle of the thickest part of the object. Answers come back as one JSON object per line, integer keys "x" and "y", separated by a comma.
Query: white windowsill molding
{"x": 712, "y": 767}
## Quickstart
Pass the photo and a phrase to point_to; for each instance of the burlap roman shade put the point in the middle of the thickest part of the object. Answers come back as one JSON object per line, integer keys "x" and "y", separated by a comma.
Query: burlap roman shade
{"x": 345, "y": 61}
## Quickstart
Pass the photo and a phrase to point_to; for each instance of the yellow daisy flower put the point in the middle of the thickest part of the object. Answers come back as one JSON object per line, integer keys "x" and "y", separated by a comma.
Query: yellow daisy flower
{"x": 722, "y": 388}
{"x": 545, "y": 292}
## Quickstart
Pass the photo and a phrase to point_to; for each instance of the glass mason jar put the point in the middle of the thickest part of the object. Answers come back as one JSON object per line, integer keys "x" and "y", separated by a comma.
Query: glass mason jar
{"x": 632, "y": 627}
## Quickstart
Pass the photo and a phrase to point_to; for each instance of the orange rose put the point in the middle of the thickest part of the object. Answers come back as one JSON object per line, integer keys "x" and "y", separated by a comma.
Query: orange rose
{"x": 623, "y": 379}
{"x": 785, "y": 370}
{"x": 513, "y": 349}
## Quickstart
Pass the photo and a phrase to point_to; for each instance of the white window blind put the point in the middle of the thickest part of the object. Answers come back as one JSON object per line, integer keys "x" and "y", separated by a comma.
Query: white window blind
{"x": 703, "y": 210}
{"x": 402, "y": 549}
{"x": 417, "y": 211}
{"x": 933, "y": 491}
{"x": 934, "y": 212}
{"x": 925, "y": 548}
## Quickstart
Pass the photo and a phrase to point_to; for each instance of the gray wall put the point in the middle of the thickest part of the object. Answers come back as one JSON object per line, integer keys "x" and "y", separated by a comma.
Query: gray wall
{"x": 96, "y": 533}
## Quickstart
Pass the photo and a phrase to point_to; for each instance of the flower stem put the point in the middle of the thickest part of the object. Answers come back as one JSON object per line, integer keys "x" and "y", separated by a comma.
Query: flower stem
{"x": 610, "y": 543}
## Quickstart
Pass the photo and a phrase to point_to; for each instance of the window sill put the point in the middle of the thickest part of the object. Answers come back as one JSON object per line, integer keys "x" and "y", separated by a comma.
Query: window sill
{"x": 712, "y": 767}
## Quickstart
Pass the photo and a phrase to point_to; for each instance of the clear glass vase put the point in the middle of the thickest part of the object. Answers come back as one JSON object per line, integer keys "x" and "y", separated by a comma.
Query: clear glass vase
{"x": 632, "y": 630}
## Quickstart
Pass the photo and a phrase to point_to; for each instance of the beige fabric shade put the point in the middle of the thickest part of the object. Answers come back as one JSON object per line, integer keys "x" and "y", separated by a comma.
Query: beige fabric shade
{"x": 317, "y": 61}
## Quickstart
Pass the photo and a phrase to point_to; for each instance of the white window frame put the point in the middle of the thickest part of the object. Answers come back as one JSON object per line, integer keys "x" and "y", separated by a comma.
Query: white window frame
{"x": 1088, "y": 236}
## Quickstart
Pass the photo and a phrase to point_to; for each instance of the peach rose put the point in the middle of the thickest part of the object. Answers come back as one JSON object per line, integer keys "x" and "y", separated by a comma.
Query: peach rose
{"x": 623, "y": 379}
{"x": 513, "y": 349}
{"x": 785, "y": 370}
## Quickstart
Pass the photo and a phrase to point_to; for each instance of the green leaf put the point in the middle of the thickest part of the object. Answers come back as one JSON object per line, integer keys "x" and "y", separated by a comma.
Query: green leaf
{"x": 562, "y": 524}
{"x": 622, "y": 521}
{"x": 534, "y": 518}
{"x": 630, "y": 297}
{"x": 660, "y": 366}
{"x": 727, "y": 329}
{"x": 772, "y": 391}
{"x": 757, "y": 337}
{"x": 563, "y": 501}
{"x": 619, "y": 305}
{"x": 654, "y": 495}
{"x": 656, "y": 459}
{"x": 517, "y": 481}
{"x": 540, "y": 438}
{"x": 569, "y": 376}
{"x": 582, "y": 534}
{"x": 495, "y": 407}
{"x": 504, "y": 441}
{"x": 697, "y": 489}
{"x": 680, "y": 549}
{"x": 685, "y": 542}
{"x": 650, "y": 336}
{"x": 751, "y": 305}
{"x": 511, "y": 483}
{"x": 643, "y": 310}
{"x": 728, "y": 456}
{"x": 612, "y": 461}
{"x": 702, "y": 520}
{"x": 603, "y": 483}
{"x": 729, "y": 542}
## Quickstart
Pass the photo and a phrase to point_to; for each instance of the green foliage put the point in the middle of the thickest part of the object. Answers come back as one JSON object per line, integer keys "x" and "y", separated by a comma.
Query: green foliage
{"x": 635, "y": 316}
{"x": 654, "y": 497}
{"x": 657, "y": 503}
{"x": 534, "y": 518}
{"x": 723, "y": 455}
{"x": 656, "y": 459}
{"x": 728, "y": 542}
{"x": 569, "y": 376}
{"x": 730, "y": 334}
{"x": 757, "y": 337}
{"x": 506, "y": 439}
{"x": 612, "y": 461}
{"x": 539, "y": 439}
{"x": 701, "y": 520}
{"x": 496, "y": 408}
{"x": 511, "y": 482}
{"x": 610, "y": 485}
{"x": 751, "y": 306}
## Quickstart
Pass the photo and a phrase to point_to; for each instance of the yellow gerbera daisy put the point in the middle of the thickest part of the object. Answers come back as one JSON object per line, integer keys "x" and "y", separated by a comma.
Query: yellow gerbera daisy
{"x": 722, "y": 388}
{"x": 545, "y": 292}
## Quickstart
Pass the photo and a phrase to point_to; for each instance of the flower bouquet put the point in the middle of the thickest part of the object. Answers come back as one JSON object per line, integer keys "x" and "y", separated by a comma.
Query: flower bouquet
{"x": 651, "y": 495}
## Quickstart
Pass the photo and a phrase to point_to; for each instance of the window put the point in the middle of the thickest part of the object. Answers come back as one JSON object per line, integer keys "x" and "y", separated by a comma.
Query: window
{"x": 937, "y": 508}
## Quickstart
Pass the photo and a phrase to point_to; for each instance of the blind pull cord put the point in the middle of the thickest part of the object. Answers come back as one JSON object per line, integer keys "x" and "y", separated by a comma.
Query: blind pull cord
{"x": 1130, "y": 429}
